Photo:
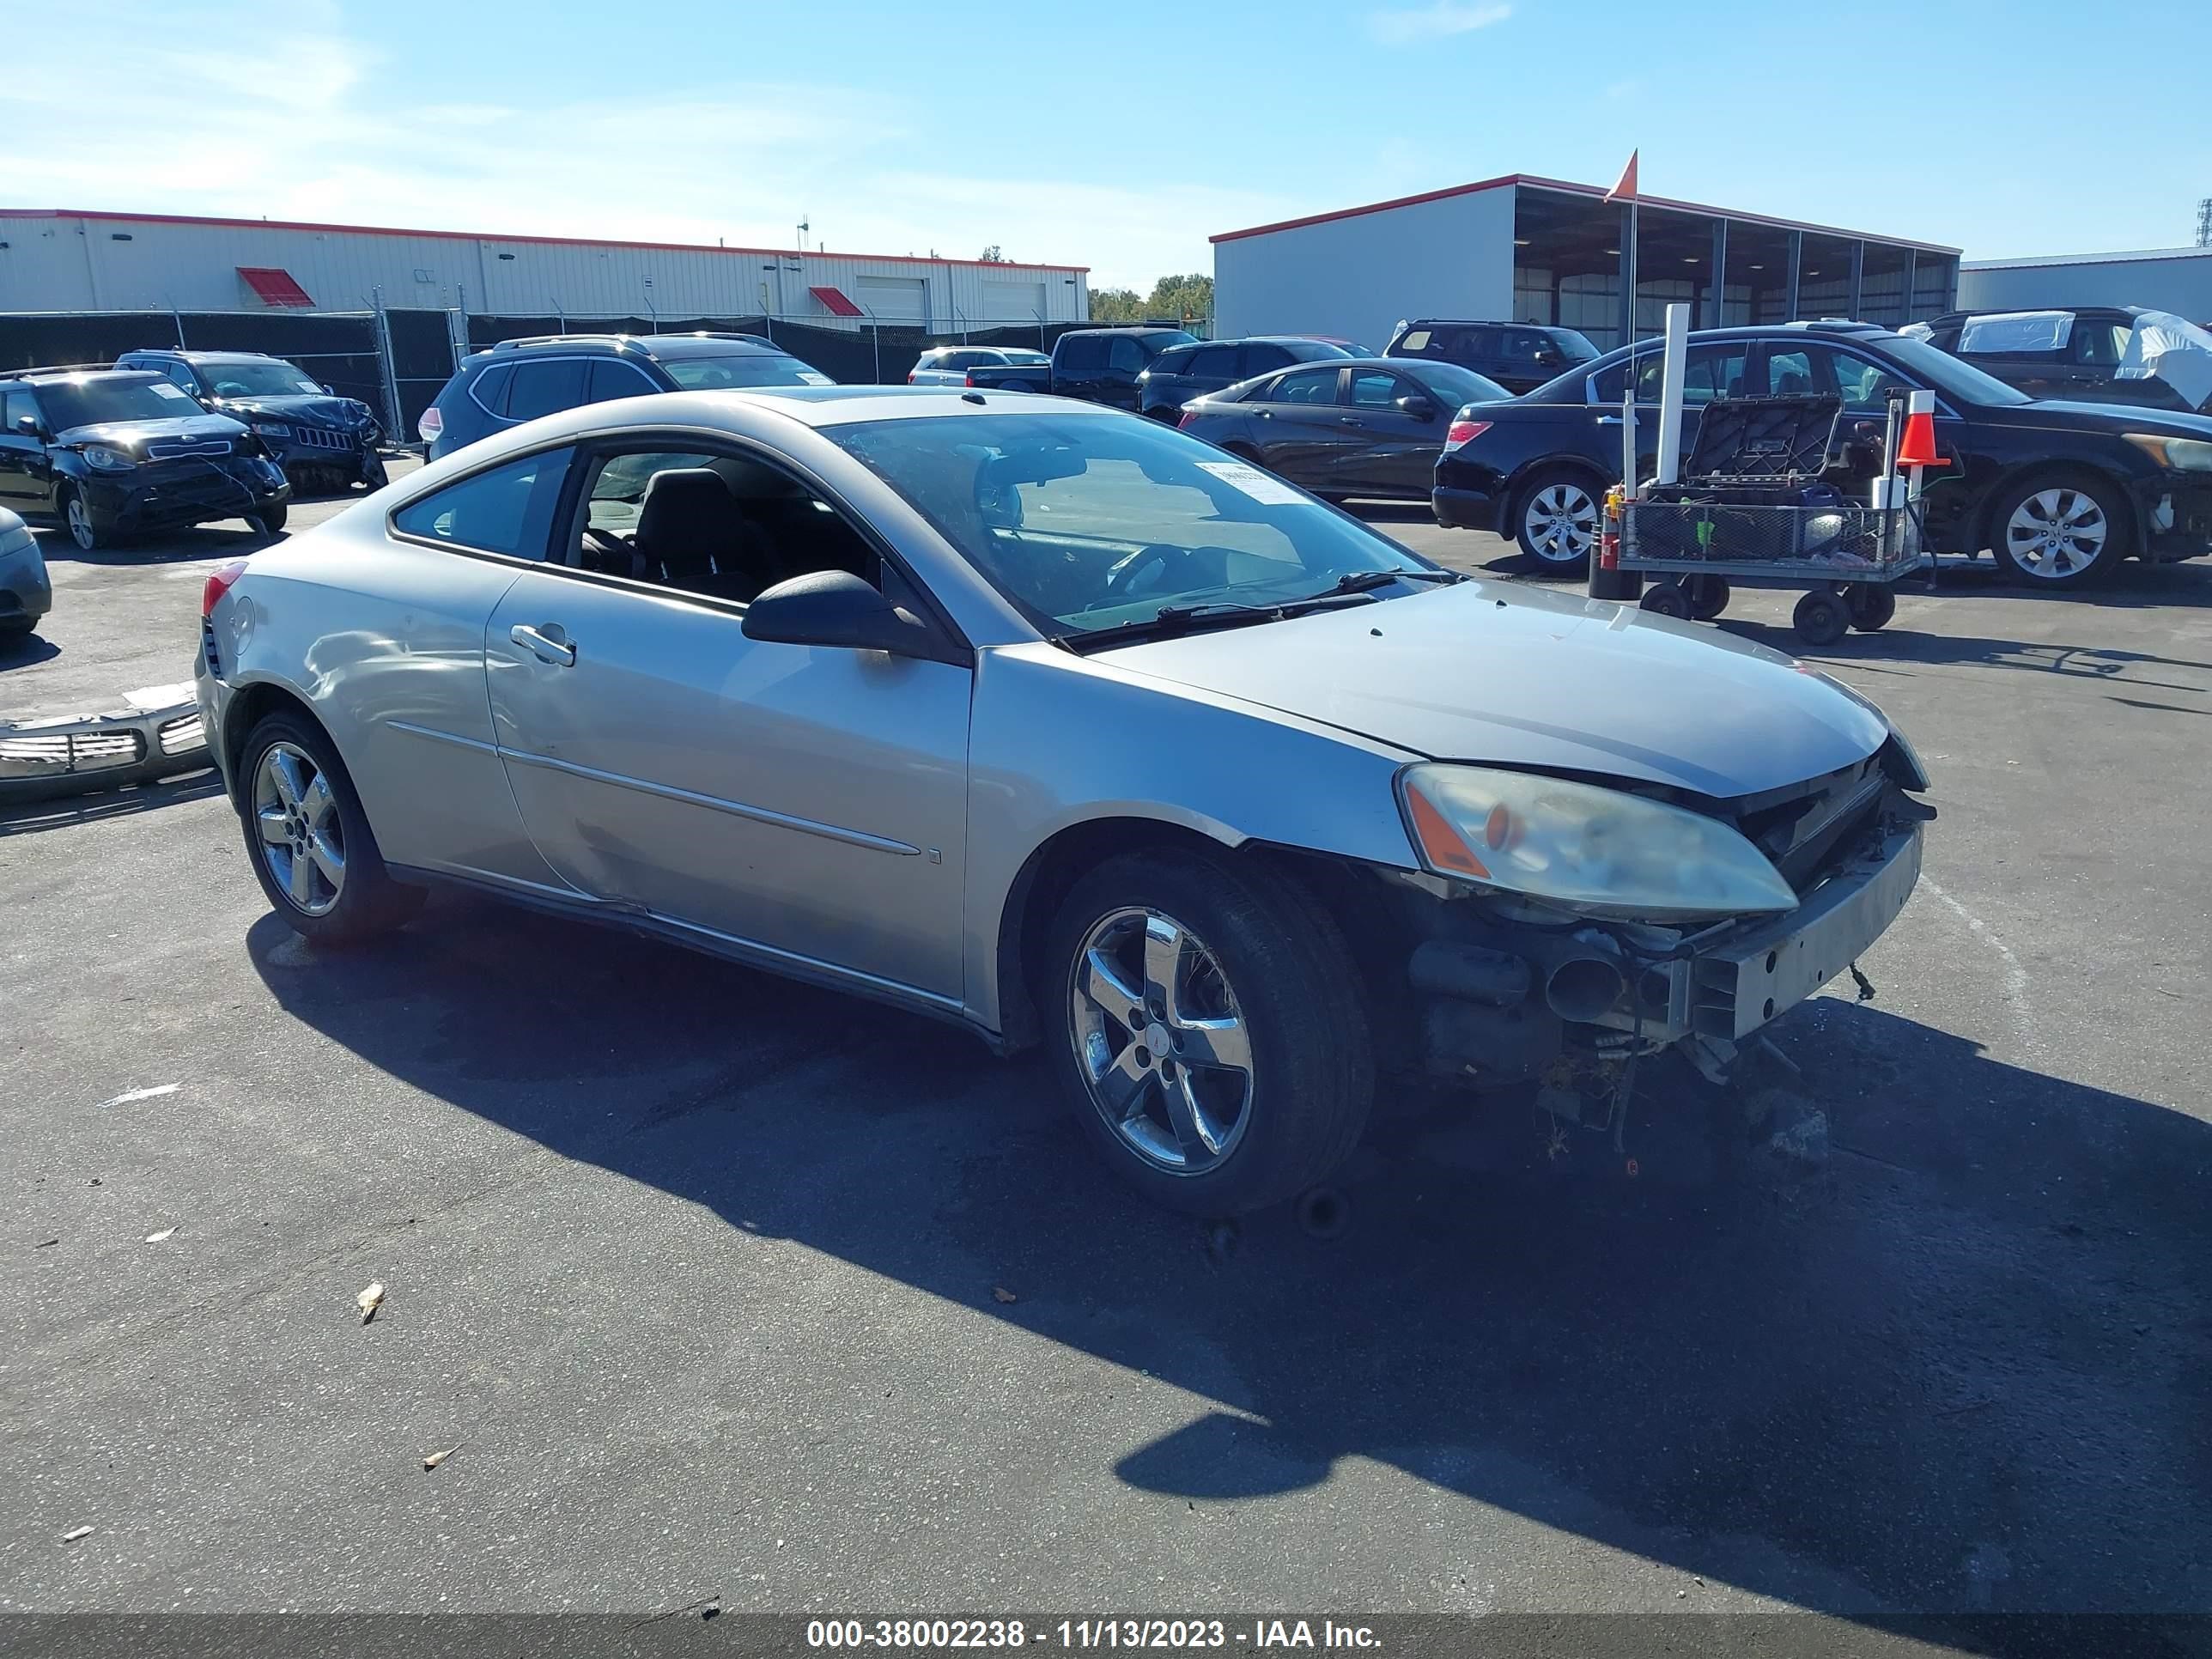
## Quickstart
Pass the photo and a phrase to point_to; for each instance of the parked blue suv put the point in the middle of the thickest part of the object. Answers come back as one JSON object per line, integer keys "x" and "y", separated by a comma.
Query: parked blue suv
{"x": 519, "y": 380}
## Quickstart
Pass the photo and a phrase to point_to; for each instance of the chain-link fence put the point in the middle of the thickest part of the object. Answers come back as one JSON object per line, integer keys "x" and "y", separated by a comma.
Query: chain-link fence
{"x": 395, "y": 360}
{"x": 1840, "y": 542}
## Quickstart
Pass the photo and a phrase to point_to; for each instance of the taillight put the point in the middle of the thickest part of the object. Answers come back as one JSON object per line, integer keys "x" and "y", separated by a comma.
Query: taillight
{"x": 1464, "y": 432}
{"x": 1185, "y": 418}
{"x": 909, "y": 377}
{"x": 432, "y": 424}
{"x": 219, "y": 584}
{"x": 969, "y": 378}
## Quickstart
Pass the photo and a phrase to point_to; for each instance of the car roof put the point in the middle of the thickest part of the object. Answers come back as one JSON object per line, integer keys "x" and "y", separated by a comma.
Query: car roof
{"x": 1473, "y": 322}
{"x": 47, "y": 376}
{"x": 647, "y": 346}
{"x": 203, "y": 356}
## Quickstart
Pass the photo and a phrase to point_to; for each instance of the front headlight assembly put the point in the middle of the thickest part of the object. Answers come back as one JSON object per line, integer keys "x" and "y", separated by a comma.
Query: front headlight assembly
{"x": 272, "y": 429}
{"x": 103, "y": 458}
{"x": 1596, "y": 852}
{"x": 2175, "y": 454}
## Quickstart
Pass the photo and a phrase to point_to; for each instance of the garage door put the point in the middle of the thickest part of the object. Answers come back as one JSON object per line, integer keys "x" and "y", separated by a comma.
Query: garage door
{"x": 895, "y": 298}
{"x": 1012, "y": 302}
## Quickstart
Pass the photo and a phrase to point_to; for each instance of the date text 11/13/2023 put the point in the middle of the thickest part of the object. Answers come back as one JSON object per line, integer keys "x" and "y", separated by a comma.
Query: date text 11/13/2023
{"x": 1087, "y": 1633}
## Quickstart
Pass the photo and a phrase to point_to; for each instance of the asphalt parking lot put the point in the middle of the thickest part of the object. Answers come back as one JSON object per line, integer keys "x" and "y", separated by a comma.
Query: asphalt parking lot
{"x": 731, "y": 1292}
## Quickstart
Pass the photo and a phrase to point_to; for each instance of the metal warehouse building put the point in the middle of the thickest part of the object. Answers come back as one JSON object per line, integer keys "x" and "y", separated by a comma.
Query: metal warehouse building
{"x": 62, "y": 261}
{"x": 2176, "y": 279}
{"x": 1539, "y": 249}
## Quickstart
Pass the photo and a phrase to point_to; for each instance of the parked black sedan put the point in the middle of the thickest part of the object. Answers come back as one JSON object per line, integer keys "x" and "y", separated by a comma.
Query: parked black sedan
{"x": 1370, "y": 427}
{"x": 325, "y": 443}
{"x": 1181, "y": 373}
{"x": 2060, "y": 492}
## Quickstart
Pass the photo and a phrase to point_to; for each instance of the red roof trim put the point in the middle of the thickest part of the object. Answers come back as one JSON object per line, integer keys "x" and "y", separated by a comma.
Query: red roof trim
{"x": 839, "y": 306}
{"x": 1598, "y": 190}
{"x": 482, "y": 236}
{"x": 275, "y": 286}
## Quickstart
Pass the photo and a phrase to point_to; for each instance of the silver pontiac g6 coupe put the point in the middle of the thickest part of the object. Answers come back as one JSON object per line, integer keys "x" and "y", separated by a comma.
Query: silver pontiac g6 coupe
{"x": 1067, "y": 727}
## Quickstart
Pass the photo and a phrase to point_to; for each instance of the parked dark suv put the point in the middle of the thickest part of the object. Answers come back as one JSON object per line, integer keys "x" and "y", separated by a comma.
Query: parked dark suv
{"x": 519, "y": 380}
{"x": 1181, "y": 373}
{"x": 1519, "y": 356}
{"x": 2090, "y": 354}
{"x": 110, "y": 453}
{"x": 325, "y": 443}
{"x": 2060, "y": 492}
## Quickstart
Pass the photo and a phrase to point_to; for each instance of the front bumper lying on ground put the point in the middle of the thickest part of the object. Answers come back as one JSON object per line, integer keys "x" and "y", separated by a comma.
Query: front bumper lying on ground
{"x": 157, "y": 733}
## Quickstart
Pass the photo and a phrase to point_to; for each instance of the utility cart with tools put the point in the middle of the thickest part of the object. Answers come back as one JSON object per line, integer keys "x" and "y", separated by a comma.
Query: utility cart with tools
{"x": 1754, "y": 509}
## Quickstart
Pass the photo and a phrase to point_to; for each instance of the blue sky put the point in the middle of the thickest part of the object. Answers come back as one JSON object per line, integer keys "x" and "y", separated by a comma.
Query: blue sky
{"x": 1117, "y": 136}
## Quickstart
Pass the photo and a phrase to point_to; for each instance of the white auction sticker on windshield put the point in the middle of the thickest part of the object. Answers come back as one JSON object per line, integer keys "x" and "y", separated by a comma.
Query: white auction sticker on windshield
{"x": 163, "y": 389}
{"x": 1237, "y": 475}
{"x": 808, "y": 377}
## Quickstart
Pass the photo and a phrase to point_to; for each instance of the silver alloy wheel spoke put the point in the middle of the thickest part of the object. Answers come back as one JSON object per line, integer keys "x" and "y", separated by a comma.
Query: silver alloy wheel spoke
{"x": 1170, "y": 1067}
{"x": 284, "y": 774}
{"x": 326, "y": 859}
{"x": 303, "y": 883}
{"x": 300, "y": 833}
{"x": 275, "y": 826}
{"x": 317, "y": 800}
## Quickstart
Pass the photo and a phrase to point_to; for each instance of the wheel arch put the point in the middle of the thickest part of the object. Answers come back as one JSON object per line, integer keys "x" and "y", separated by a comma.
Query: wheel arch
{"x": 1064, "y": 858}
{"x": 252, "y": 703}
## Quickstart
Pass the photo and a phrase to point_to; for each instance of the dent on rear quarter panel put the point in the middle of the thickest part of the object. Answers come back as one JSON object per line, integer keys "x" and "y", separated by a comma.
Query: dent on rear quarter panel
{"x": 1057, "y": 740}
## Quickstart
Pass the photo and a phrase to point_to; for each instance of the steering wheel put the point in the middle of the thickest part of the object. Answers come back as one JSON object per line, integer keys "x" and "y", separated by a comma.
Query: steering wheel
{"x": 1163, "y": 557}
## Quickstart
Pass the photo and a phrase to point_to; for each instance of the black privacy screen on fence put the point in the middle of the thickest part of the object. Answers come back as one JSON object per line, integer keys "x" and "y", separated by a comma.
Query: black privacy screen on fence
{"x": 338, "y": 349}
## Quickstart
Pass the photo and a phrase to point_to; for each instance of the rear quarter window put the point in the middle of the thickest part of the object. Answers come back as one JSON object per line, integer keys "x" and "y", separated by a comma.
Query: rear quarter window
{"x": 507, "y": 509}
{"x": 488, "y": 387}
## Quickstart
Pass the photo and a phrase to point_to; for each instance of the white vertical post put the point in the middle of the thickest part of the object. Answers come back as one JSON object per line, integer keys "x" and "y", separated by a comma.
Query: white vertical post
{"x": 1671, "y": 394}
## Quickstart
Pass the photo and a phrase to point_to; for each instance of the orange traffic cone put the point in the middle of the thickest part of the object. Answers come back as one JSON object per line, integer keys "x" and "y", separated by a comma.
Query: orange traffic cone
{"x": 1917, "y": 448}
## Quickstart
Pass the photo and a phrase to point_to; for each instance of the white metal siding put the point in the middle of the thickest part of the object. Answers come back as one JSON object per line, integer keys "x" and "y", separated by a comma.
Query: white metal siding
{"x": 1357, "y": 276}
{"x": 894, "y": 299}
{"x": 2179, "y": 280}
{"x": 1007, "y": 302}
{"x": 65, "y": 263}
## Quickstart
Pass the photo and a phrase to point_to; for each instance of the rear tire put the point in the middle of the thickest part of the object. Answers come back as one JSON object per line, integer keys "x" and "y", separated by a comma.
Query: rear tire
{"x": 1210, "y": 1030}
{"x": 1668, "y": 598}
{"x": 1872, "y": 607}
{"x": 1557, "y": 518}
{"x": 309, "y": 840}
{"x": 1710, "y": 596}
{"x": 269, "y": 522}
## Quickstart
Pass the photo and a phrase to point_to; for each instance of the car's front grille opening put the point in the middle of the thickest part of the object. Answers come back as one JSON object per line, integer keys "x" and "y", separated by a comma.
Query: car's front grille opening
{"x": 165, "y": 451}
{"x": 316, "y": 437}
{"x": 52, "y": 752}
{"x": 184, "y": 734}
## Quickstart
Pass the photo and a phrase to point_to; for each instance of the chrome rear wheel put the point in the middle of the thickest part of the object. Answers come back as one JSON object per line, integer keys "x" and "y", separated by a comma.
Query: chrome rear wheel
{"x": 302, "y": 837}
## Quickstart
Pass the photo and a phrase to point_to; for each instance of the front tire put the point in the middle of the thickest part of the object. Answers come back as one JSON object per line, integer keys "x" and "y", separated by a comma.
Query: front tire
{"x": 2059, "y": 530}
{"x": 77, "y": 516}
{"x": 269, "y": 520}
{"x": 309, "y": 840}
{"x": 1556, "y": 521}
{"x": 1212, "y": 1036}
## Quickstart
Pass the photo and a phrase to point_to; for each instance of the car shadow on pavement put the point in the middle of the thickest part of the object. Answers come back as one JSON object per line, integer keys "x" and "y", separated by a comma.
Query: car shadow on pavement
{"x": 1963, "y": 1363}
{"x": 207, "y": 541}
{"x": 22, "y": 650}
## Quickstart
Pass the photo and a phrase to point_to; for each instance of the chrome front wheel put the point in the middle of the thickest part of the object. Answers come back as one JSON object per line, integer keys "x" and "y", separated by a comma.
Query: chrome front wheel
{"x": 302, "y": 835}
{"x": 2056, "y": 533}
{"x": 81, "y": 528}
{"x": 1160, "y": 1040}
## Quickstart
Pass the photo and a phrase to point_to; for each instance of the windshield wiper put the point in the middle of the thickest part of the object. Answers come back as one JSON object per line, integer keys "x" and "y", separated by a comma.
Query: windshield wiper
{"x": 1178, "y": 618}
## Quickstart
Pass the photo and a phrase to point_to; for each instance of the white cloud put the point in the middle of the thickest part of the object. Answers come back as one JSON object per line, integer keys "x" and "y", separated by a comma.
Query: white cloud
{"x": 277, "y": 112}
{"x": 1436, "y": 21}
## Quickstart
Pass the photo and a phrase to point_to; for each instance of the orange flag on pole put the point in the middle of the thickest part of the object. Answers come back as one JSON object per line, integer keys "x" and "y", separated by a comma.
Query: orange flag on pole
{"x": 1625, "y": 190}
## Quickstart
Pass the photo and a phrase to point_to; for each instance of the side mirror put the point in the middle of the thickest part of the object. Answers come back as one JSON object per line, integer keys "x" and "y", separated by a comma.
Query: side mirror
{"x": 328, "y": 393}
{"x": 833, "y": 608}
{"x": 1419, "y": 408}
{"x": 28, "y": 425}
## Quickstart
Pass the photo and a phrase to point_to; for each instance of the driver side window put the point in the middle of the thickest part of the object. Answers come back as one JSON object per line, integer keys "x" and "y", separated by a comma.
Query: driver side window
{"x": 720, "y": 524}
{"x": 1310, "y": 385}
{"x": 182, "y": 375}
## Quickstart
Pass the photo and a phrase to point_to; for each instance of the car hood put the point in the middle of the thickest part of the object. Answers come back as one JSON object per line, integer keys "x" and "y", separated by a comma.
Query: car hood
{"x": 1501, "y": 674}
{"x": 132, "y": 435}
{"x": 2055, "y": 415}
{"x": 320, "y": 408}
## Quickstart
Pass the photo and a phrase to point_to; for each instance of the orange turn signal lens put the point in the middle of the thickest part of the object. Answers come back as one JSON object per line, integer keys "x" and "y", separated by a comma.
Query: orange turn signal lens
{"x": 1441, "y": 844}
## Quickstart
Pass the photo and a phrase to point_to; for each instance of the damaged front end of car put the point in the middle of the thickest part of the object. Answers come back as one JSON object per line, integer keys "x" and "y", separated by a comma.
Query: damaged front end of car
{"x": 1561, "y": 927}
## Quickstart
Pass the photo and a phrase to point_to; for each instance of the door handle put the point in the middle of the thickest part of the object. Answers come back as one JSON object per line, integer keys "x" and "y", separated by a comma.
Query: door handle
{"x": 548, "y": 644}
{"x": 1608, "y": 420}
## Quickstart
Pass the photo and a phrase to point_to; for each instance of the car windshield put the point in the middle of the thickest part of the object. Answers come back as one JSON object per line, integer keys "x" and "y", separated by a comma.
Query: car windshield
{"x": 90, "y": 402}
{"x": 1452, "y": 384}
{"x": 1950, "y": 376}
{"x": 256, "y": 379}
{"x": 1087, "y": 522}
{"x": 1575, "y": 347}
{"x": 719, "y": 371}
